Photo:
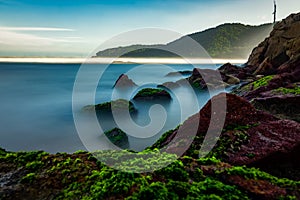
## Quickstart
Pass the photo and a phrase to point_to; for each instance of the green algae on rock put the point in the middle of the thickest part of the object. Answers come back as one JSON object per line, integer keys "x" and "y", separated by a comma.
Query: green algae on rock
{"x": 120, "y": 104}
{"x": 151, "y": 94}
{"x": 117, "y": 137}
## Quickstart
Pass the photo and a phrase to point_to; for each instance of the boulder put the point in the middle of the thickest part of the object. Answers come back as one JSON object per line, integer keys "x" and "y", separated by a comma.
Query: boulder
{"x": 152, "y": 94}
{"x": 179, "y": 73}
{"x": 124, "y": 82}
{"x": 117, "y": 137}
{"x": 117, "y": 105}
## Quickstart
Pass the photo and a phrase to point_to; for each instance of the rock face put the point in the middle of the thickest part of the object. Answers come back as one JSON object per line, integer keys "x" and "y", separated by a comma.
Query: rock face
{"x": 124, "y": 82}
{"x": 279, "y": 56}
{"x": 282, "y": 47}
{"x": 249, "y": 136}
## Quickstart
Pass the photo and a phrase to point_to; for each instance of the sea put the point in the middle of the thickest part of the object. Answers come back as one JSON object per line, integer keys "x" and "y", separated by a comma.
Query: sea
{"x": 41, "y": 104}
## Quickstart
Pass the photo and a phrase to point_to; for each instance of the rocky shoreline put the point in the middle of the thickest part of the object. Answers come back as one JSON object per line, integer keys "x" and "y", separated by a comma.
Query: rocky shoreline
{"x": 256, "y": 156}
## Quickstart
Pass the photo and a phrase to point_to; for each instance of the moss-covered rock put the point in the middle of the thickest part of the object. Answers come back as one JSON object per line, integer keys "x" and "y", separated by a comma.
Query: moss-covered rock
{"x": 118, "y": 137}
{"x": 285, "y": 91}
{"x": 82, "y": 176}
{"x": 151, "y": 94}
{"x": 117, "y": 105}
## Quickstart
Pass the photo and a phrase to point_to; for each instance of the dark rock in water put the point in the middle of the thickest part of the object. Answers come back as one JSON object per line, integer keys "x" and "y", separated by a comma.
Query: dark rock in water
{"x": 118, "y": 137}
{"x": 228, "y": 68}
{"x": 151, "y": 94}
{"x": 249, "y": 135}
{"x": 243, "y": 73}
{"x": 117, "y": 105}
{"x": 186, "y": 72}
{"x": 169, "y": 85}
{"x": 124, "y": 82}
{"x": 202, "y": 78}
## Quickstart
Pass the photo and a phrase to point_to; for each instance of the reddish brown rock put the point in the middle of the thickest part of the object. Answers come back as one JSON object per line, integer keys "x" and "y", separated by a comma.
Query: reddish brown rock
{"x": 267, "y": 135}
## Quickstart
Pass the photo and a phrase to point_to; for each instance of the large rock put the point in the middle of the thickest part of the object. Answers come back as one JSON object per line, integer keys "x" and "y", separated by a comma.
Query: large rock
{"x": 281, "y": 47}
{"x": 152, "y": 94}
{"x": 215, "y": 79}
{"x": 124, "y": 82}
{"x": 118, "y": 105}
{"x": 249, "y": 135}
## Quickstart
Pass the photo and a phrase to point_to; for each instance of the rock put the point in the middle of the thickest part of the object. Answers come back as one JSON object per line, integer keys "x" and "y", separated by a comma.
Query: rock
{"x": 228, "y": 68}
{"x": 124, "y": 82}
{"x": 152, "y": 94}
{"x": 281, "y": 47}
{"x": 284, "y": 106}
{"x": 232, "y": 80}
{"x": 117, "y": 105}
{"x": 179, "y": 73}
{"x": 201, "y": 78}
{"x": 169, "y": 85}
{"x": 249, "y": 135}
{"x": 265, "y": 68}
{"x": 118, "y": 137}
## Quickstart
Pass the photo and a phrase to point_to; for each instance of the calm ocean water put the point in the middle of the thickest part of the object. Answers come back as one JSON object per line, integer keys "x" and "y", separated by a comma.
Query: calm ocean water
{"x": 36, "y": 103}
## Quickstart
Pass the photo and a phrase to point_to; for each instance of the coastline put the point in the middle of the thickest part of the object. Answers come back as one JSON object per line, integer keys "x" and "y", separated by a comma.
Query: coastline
{"x": 121, "y": 60}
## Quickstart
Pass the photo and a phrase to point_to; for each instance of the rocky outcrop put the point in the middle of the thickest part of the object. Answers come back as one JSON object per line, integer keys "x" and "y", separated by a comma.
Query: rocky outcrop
{"x": 124, "y": 82}
{"x": 279, "y": 56}
{"x": 249, "y": 135}
{"x": 243, "y": 73}
{"x": 281, "y": 48}
{"x": 225, "y": 76}
{"x": 204, "y": 78}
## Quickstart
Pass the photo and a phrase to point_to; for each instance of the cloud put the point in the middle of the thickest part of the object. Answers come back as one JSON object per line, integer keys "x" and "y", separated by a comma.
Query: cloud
{"x": 33, "y": 29}
{"x": 14, "y": 36}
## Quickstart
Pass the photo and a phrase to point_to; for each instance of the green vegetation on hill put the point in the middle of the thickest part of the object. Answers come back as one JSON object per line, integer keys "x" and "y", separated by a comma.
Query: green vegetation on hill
{"x": 224, "y": 41}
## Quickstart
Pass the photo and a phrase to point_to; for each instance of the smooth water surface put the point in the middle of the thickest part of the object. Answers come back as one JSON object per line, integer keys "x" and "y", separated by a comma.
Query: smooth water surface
{"x": 36, "y": 103}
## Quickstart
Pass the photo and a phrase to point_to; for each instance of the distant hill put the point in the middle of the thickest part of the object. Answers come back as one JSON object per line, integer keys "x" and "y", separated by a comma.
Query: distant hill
{"x": 225, "y": 41}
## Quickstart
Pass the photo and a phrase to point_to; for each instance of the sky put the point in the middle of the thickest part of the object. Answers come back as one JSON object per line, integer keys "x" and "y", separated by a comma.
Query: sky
{"x": 74, "y": 28}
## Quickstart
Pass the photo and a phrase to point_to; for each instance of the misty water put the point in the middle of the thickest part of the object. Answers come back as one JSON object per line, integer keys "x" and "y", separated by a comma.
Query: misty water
{"x": 36, "y": 103}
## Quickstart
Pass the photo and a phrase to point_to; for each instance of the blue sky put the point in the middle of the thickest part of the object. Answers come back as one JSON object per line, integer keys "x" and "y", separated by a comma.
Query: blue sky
{"x": 77, "y": 27}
